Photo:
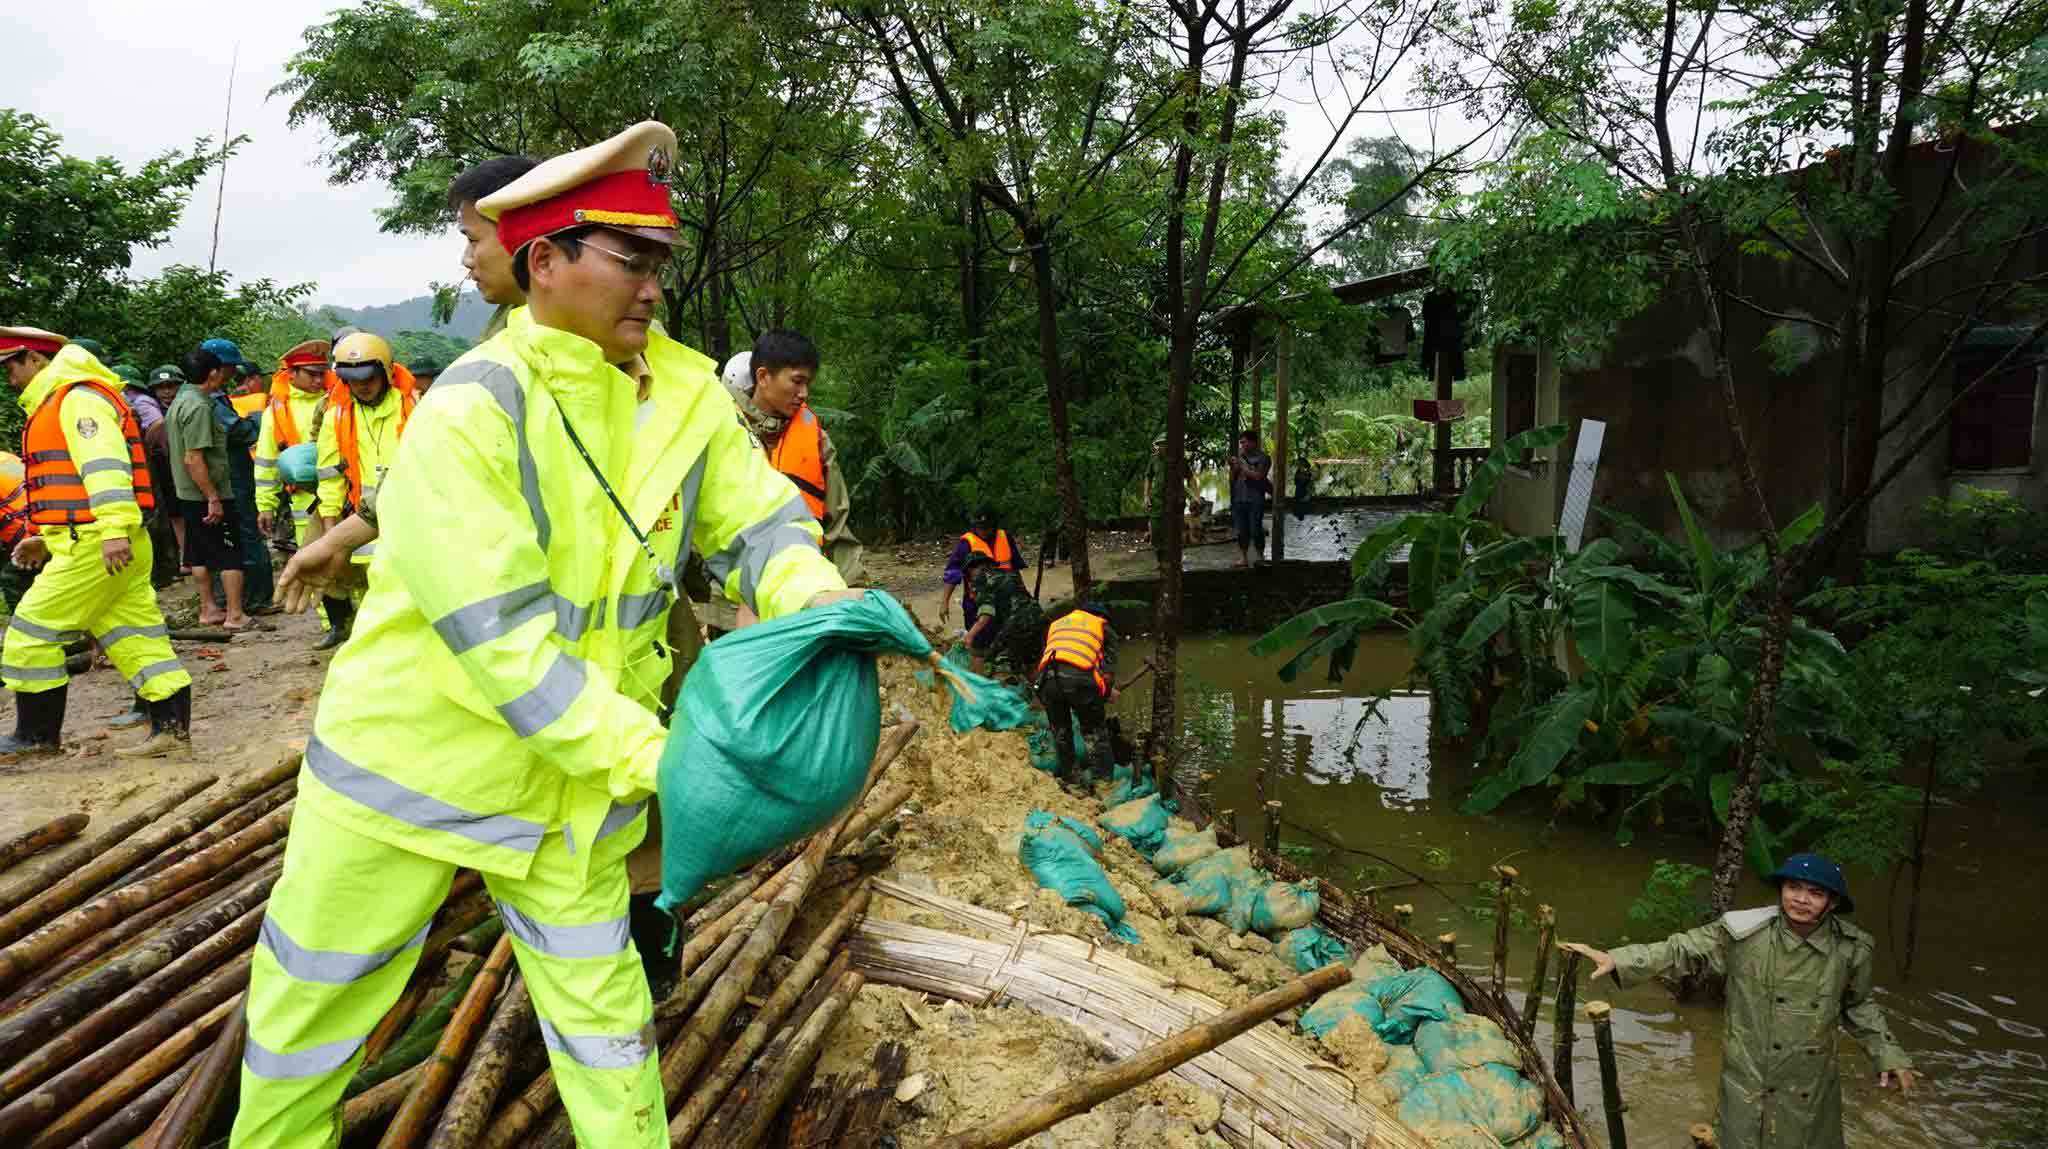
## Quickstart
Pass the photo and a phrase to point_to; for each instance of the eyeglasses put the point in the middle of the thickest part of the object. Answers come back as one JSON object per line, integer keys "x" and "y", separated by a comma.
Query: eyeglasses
{"x": 642, "y": 265}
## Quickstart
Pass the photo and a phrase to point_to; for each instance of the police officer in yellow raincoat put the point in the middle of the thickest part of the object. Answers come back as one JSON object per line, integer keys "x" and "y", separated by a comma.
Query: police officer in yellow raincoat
{"x": 1796, "y": 972}
{"x": 494, "y": 707}
{"x": 88, "y": 486}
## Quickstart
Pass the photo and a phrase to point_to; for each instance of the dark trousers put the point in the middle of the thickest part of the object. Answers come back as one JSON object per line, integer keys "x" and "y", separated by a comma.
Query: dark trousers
{"x": 258, "y": 585}
{"x": 1069, "y": 693}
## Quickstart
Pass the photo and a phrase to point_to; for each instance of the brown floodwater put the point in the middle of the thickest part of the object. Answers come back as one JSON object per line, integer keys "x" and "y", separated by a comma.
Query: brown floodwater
{"x": 1973, "y": 1012}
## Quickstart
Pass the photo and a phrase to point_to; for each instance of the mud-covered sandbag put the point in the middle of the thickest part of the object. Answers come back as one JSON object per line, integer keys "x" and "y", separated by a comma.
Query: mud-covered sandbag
{"x": 1184, "y": 849}
{"x": 1062, "y": 860}
{"x": 1310, "y": 948}
{"x": 1142, "y": 823}
{"x": 1463, "y": 1041}
{"x": 772, "y": 736}
{"x": 994, "y": 706}
{"x": 1491, "y": 1096}
{"x": 1374, "y": 964}
{"x": 1545, "y": 1137}
{"x": 1128, "y": 784}
{"x": 1411, "y": 998}
{"x": 1327, "y": 1012}
{"x": 1221, "y": 885}
{"x": 1044, "y": 751}
{"x": 1281, "y": 907}
{"x": 1455, "y": 1135}
{"x": 1404, "y": 1069}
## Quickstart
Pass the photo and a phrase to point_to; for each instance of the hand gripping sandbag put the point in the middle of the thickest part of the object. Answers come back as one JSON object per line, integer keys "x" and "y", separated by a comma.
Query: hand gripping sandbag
{"x": 773, "y": 733}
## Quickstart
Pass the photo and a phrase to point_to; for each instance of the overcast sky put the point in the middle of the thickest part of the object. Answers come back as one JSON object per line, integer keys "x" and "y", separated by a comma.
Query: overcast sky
{"x": 131, "y": 78}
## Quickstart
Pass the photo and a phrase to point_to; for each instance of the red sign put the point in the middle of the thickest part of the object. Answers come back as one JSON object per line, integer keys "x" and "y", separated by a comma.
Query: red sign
{"x": 1439, "y": 410}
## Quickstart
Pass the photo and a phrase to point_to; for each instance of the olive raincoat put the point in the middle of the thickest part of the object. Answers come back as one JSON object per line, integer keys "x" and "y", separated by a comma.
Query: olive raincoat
{"x": 1781, "y": 1081}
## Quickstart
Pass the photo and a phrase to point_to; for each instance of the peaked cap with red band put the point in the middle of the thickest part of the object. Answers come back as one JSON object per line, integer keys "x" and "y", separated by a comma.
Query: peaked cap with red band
{"x": 621, "y": 183}
{"x": 311, "y": 353}
{"x": 15, "y": 340}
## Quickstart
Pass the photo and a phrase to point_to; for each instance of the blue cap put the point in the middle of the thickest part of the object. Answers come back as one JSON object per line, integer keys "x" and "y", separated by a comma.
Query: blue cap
{"x": 225, "y": 351}
{"x": 1821, "y": 871}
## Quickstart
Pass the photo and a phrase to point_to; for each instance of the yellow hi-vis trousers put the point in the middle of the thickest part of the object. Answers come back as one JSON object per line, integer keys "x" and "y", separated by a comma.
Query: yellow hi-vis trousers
{"x": 343, "y": 932}
{"x": 74, "y": 596}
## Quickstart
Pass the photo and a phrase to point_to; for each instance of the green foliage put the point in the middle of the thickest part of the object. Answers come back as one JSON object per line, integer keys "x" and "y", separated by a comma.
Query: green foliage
{"x": 412, "y": 346}
{"x": 1670, "y": 902}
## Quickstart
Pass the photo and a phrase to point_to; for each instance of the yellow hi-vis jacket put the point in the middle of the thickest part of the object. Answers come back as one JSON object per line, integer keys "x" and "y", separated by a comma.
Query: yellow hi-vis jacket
{"x": 269, "y": 485}
{"x": 501, "y": 681}
{"x": 377, "y": 435}
{"x": 92, "y": 434}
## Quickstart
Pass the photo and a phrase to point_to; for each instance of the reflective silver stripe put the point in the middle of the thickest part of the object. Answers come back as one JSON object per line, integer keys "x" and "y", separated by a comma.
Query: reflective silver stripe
{"x": 34, "y": 673}
{"x": 60, "y": 504}
{"x": 95, "y": 466}
{"x": 38, "y": 630}
{"x": 104, "y": 498}
{"x": 263, "y": 464}
{"x": 637, "y": 610}
{"x": 110, "y": 637}
{"x": 270, "y": 484}
{"x": 531, "y": 712}
{"x": 154, "y": 670}
{"x": 503, "y": 385}
{"x": 619, "y": 817}
{"x": 329, "y": 967}
{"x": 572, "y": 620}
{"x": 693, "y": 489}
{"x": 414, "y": 808}
{"x": 598, "y": 939}
{"x": 47, "y": 456}
{"x": 470, "y": 626}
{"x": 751, "y": 549}
{"x": 599, "y": 1052}
{"x": 315, "y": 1062}
{"x": 329, "y": 472}
{"x": 364, "y": 551}
{"x": 299, "y": 516}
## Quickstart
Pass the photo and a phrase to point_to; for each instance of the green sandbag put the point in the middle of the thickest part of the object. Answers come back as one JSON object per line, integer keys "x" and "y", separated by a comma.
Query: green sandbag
{"x": 1221, "y": 885}
{"x": 1404, "y": 1069}
{"x": 1062, "y": 860}
{"x": 1039, "y": 740}
{"x": 995, "y": 706}
{"x": 772, "y": 736}
{"x": 1411, "y": 998}
{"x": 1281, "y": 907}
{"x": 1142, "y": 823}
{"x": 1491, "y": 1096}
{"x": 1329, "y": 1011}
{"x": 1183, "y": 849}
{"x": 1545, "y": 1137}
{"x": 1310, "y": 948}
{"x": 1128, "y": 784}
{"x": 1463, "y": 1041}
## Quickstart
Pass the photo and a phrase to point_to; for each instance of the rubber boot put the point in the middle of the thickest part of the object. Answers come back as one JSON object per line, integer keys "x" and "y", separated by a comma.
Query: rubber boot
{"x": 341, "y": 617}
{"x": 136, "y": 716}
{"x": 170, "y": 729}
{"x": 38, "y": 725}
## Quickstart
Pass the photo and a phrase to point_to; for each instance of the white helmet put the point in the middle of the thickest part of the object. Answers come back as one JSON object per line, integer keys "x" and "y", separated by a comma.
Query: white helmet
{"x": 739, "y": 372}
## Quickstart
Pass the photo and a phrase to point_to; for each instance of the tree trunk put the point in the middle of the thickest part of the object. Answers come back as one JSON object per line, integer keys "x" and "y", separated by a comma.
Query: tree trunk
{"x": 1757, "y": 725}
{"x": 1073, "y": 514}
{"x": 717, "y": 324}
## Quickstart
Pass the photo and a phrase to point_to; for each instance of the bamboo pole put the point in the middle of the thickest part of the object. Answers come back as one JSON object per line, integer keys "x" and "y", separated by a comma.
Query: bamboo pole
{"x": 29, "y": 843}
{"x": 184, "y": 1121}
{"x": 26, "y": 1114}
{"x": 121, "y": 1129}
{"x": 1092, "y": 1089}
{"x": 1503, "y": 908}
{"x": 103, "y": 912}
{"x": 396, "y": 1018}
{"x": 517, "y": 1118}
{"x": 1404, "y": 914}
{"x": 232, "y": 820}
{"x": 1447, "y": 945}
{"x": 679, "y": 1004}
{"x": 1273, "y": 827}
{"x": 1601, "y": 1014}
{"x": 469, "y": 1106}
{"x": 1546, "y": 936}
{"x": 744, "y": 1123}
{"x": 466, "y": 907}
{"x": 169, "y": 914}
{"x": 426, "y": 1097}
{"x": 379, "y": 1102}
{"x": 417, "y": 1044}
{"x": 136, "y": 1079}
{"x": 1565, "y": 1014}
{"x": 30, "y": 883}
{"x": 712, "y": 1089}
{"x": 126, "y": 988}
{"x": 159, "y": 836}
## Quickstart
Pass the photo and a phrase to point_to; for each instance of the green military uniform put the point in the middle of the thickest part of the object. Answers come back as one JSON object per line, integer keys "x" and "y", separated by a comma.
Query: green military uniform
{"x": 1781, "y": 1084}
{"x": 1019, "y": 622}
{"x": 1075, "y": 676}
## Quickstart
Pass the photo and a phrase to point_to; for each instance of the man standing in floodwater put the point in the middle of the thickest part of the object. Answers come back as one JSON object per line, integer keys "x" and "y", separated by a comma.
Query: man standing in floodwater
{"x": 1795, "y": 971}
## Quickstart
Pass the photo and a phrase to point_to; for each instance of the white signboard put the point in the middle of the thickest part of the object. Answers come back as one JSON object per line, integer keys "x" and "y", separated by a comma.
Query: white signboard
{"x": 1578, "y": 491}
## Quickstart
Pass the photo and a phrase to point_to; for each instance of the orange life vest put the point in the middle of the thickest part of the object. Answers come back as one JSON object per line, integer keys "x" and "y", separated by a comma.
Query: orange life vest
{"x": 14, "y": 524}
{"x": 287, "y": 428}
{"x": 344, "y": 415}
{"x": 246, "y": 405}
{"x": 800, "y": 454}
{"x": 1075, "y": 638}
{"x": 56, "y": 491}
{"x": 999, "y": 552}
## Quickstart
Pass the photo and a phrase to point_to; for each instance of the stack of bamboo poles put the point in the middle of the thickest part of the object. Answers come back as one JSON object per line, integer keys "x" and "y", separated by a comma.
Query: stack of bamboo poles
{"x": 124, "y": 959}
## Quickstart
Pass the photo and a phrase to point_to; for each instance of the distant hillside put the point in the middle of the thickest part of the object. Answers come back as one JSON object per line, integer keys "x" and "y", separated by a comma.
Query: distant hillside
{"x": 417, "y": 314}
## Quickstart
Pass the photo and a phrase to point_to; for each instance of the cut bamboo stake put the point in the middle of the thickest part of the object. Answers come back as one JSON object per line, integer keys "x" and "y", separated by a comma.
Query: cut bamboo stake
{"x": 396, "y": 1018}
{"x": 1092, "y": 1089}
{"x": 680, "y": 1004}
{"x": 744, "y": 1123}
{"x": 1702, "y": 1136}
{"x": 704, "y": 1098}
{"x": 1273, "y": 827}
{"x": 1503, "y": 908}
{"x": 1532, "y": 1004}
{"x": 1404, "y": 914}
{"x": 469, "y": 1107}
{"x": 136, "y": 1079}
{"x": 103, "y": 912}
{"x": 378, "y": 1102}
{"x": 31, "y": 883}
{"x": 1564, "y": 1015}
{"x": 426, "y": 1097}
{"x": 29, "y": 1113}
{"x": 184, "y": 1121}
{"x": 121, "y": 1129}
{"x": 160, "y": 836}
{"x": 462, "y": 912}
{"x": 236, "y": 819}
{"x": 32, "y": 842}
{"x": 1447, "y": 945}
{"x": 1602, "y": 1016}
{"x": 128, "y": 987}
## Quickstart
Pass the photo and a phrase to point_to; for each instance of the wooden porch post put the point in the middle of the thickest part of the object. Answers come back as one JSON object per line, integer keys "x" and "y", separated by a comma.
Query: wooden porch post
{"x": 1277, "y": 475}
